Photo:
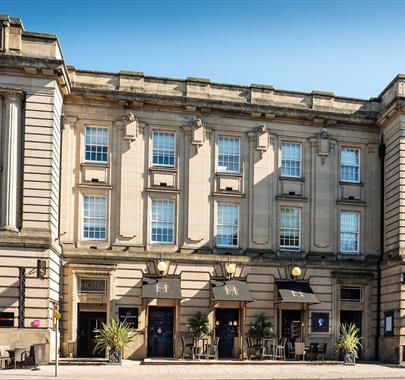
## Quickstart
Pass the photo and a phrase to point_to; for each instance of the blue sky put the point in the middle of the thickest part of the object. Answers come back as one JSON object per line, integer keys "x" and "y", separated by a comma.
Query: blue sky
{"x": 353, "y": 48}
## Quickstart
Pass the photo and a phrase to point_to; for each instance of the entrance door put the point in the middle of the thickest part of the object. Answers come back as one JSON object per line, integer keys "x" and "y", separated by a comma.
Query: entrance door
{"x": 352, "y": 316}
{"x": 87, "y": 323}
{"x": 227, "y": 329}
{"x": 291, "y": 325}
{"x": 160, "y": 332}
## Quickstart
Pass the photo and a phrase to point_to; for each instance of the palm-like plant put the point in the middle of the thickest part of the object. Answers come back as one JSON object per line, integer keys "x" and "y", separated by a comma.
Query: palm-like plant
{"x": 113, "y": 337}
{"x": 261, "y": 327}
{"x": 199, "y": 325}
{"x": 349, "y": 341}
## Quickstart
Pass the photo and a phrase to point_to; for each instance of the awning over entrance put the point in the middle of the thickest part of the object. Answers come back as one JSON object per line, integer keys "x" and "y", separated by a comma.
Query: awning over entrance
{"x": 161, "y": 287}
{"x": 231, "y": 290}
{"x": 296, "y": 292}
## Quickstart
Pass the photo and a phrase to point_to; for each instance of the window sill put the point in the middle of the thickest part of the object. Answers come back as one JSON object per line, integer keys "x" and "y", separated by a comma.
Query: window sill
{"x": 95, "y": 163}
{"x": 163, "y": 169}
{"x": 348, "y": 183}
{"x": 229, "y": 174}
{"x": 232, "y": 194}
{"x": 287, "y": 197}
{"x": 346, "y": 201}
{"x": 162, "y": 189}
{"x": 298, "y": 179}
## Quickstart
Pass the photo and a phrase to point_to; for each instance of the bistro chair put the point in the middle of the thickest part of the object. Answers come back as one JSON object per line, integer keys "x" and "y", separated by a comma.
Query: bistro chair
{"x": 251, "y": 349}
{"x": 269, "y": 348}
{"x": 280, "y": 349}
{"x": 186, "y": 348}
{"x": 20, "y": 355}
{"x": 299, "y": 350}
{"x": 212, "y": 350}
{"x": 5, "y": 356}
{"x": 313, "y": 351}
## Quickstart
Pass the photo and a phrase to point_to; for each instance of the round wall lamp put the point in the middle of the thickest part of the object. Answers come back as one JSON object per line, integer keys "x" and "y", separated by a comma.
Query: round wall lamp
{"x": 230, "y": 268}
{"x": 296, "y": 272}
{"x": 162, "y": 267}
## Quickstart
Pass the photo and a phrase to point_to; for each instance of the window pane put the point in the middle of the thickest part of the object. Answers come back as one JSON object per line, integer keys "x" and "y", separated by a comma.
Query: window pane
{"x": 291, "y": 160}
{"x": 229, "y": 154}
{"x": 96, "y": 144}
{"x": 94, "y": 217}
{"x": 164, "y": 148}
{"x": 350, "y": 165}
{"x": 162, "y": 229}
{"x": 227, "y": 225}
{"x": 349, "y": 232}
{"x": 290, "y": 228}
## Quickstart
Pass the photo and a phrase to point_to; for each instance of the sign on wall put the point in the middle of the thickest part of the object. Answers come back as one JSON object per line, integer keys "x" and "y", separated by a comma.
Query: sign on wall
{"x": 93, "y": 285}
{"x": 6, "y": 319}
{"x": 320, "y": 322}
{"x": 130, "y": 315}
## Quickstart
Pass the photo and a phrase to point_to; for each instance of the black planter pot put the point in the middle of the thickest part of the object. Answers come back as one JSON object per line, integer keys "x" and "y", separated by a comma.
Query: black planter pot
{"x": 115, "y": 357}
{"x": 349, "y": 358}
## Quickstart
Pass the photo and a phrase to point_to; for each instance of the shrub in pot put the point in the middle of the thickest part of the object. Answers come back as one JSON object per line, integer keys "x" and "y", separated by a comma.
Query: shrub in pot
{"x": 199, "y": 325}
{"x": 261, "y": 327}
{"x": 349, "y": 342}
{"x": 113, "y": 337}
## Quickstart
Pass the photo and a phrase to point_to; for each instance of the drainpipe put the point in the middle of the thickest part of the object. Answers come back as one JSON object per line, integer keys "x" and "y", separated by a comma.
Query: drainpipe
{"x": 61, "y": 271}
{"x": 381, "y": 153}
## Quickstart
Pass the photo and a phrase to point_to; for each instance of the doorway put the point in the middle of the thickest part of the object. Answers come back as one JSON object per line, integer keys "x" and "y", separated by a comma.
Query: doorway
{"x": 291, "y": 325}
{"x": 87, "y": 322}
{"x": 226, "y": 329}
{"x": 160, "y": 332}
{"x": 353, "y": 316}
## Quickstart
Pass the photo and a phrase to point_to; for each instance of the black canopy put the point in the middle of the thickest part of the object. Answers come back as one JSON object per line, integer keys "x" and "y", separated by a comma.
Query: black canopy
{"x": 230, "y": 290}
{"x": 161, "y": 287}
{"x": 292, "y": 291}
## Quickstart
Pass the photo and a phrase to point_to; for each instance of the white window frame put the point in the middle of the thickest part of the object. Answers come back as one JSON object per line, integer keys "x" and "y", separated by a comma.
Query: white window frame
{"x": 291, "y": 247}
{"x": 173, "y": 202}
{"x": 164, "y": 149}
{"x": 105, "y": 221}
{"x": 87, "y": 128}
{"x": 282, "y": 159}
{"x": 347, "y": 148}
{"x": 341, "y": 231}
{"x": 222, "y": 169}
{"x": 231, "y": 226}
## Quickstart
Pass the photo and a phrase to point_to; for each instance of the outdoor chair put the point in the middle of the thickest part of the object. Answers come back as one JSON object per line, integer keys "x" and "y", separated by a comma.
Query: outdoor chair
{"x": 291, "y": 350}
{"x": 5, "y": 356}
{"x": 269, "y": 348}
{"x": 322, "y": 351}
{"x": 280, "y": 349}
{"x": 20, "y": 355}
{"x": 299, "y": 350}
{"x": 251, "y": 349}
{"x": 313, "y": 351}
{"x": 186, "y": 349}
{"x": 212, "y": 350}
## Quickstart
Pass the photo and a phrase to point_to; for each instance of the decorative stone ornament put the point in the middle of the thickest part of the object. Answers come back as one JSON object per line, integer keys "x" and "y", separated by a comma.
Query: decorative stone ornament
{"x": 323, "y": 144}
{"x": 197, "y": 131}
{"x": 132, "y": 127}
{"x": 262, "y": 138}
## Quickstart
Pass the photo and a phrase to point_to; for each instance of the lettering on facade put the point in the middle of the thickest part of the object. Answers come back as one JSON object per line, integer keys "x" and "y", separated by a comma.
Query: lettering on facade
{"x": 93, "y": 285}
{"x": 297, "y": 293}
{"x": 231, "y": 290}
{"x": 161, "y": 288}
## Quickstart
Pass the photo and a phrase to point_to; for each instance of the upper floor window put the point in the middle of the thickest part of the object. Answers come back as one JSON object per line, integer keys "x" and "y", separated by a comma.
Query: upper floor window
{"x": 227, "y": 225}
{"x": 350, "y": 165}
{"x": 162, "y": 229}
{"x": 351, "y": 294}
{"x": 96, "y": 144}
{"x": 94, "y": 217}
{"x": 290, "y": 228}
{"x": 164, "y": 148}
{"x": 291, "y": 157}
{"x": 229, "y": 154}
{"x": 349, "y": 232}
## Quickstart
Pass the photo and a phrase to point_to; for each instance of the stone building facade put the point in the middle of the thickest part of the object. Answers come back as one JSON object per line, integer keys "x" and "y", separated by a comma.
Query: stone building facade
{"x": 141, "y": 193}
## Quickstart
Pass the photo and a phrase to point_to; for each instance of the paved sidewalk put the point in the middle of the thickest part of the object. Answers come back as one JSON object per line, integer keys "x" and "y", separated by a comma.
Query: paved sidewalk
{"x": 134, "y": 371}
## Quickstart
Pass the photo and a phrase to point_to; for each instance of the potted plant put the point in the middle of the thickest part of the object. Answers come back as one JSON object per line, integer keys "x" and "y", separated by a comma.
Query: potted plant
{"x": 260, "y": 328}
{"x": 349, "y": 342}
{"x": 199, "y": 325}
{"x": 113, "y": 337}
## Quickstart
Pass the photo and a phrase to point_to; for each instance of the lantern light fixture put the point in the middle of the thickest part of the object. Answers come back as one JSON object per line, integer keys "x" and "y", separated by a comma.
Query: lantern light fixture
{"x": 296, "y": 272}
{"x": 162, "y": 266}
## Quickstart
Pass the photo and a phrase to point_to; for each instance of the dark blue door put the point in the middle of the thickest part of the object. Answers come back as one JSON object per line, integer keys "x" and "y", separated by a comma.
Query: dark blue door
{"x": 160, "y": 332}
{"x": 227, "y": 329}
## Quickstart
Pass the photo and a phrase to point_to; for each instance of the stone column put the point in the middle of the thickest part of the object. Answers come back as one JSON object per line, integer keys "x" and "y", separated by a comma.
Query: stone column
{"x": 11, "y": 171}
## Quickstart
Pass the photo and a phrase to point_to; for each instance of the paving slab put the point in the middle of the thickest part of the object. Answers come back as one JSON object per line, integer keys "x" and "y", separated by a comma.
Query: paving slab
{"x": 133, "y": 371}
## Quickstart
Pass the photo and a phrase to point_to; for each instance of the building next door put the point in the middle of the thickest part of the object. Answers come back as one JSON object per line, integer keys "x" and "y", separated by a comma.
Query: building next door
{"x": 352, "y": 316}
{"x": 87, "y": 322}
{"x": 160, "y": 332}
{"x": 226, "y": 329}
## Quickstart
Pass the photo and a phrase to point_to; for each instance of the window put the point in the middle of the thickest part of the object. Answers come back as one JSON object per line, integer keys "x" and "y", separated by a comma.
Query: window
{"x": 164, "y": 148}
{"x": 162, "y": 222}
{"x": 290, "y": 228}
{"x": 93, "y": 285}
{"x": 96, "y": 144}
{"x": 350, "y": 165}
{"x": 351, "y": 294}
{"x": 229, "y": 154}
{"x": 227, "y": 225}
{"x": 291, "y": 160}
{"x": 94, "y": 217}
{"x": 349, "y": 232}
{"x": 389, "y": 323}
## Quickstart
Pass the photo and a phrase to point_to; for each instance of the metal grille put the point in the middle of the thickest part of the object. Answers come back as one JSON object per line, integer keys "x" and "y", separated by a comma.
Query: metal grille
{"x": 21, "y": 298}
